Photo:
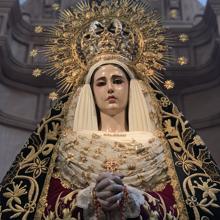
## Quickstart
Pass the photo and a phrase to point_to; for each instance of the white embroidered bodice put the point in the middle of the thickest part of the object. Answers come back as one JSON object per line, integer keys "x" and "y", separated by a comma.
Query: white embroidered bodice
{"x": 139, "y": 156}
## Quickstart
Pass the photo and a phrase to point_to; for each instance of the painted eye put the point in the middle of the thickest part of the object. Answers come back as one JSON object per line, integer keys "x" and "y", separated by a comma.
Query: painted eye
{"x": 101, "y": 83}
{"x": 118, "y": 81}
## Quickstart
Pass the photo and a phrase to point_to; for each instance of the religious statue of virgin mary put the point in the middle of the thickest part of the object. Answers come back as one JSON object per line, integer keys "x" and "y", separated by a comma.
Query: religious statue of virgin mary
{"x": 113, "y": 146}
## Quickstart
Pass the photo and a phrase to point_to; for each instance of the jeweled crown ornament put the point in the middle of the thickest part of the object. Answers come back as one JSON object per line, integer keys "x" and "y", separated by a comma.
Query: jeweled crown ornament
{"x": 124, "y": 30}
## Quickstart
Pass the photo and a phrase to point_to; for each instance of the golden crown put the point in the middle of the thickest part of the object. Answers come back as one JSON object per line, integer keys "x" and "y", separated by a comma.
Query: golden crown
{"x": 124, "y": 30}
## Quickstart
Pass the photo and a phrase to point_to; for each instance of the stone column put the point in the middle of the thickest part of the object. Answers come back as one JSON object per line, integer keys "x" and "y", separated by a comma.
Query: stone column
{"x": 215, "y": 5}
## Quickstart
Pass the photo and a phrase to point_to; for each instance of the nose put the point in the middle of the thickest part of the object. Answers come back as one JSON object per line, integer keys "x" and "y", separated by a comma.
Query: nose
{"x": 110, "y": 87}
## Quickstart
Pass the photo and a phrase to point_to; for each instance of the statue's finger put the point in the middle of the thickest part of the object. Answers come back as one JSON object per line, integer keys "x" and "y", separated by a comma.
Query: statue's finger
{"x": 104, "y": 195}
{"x": 118, "y": 180}
{"x": 115, "y": 198}
{"x": 112, "y": 207}
{"x": 103, "y": 176}
{"x": 115, "y": 188}
{"x": 103, "y": 184}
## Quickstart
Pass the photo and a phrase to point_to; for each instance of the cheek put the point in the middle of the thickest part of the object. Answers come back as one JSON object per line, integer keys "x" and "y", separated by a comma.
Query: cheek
{"x": 126, "y": 94}
{"x": 123, "y": 90}
{"x": 98, "y": 92}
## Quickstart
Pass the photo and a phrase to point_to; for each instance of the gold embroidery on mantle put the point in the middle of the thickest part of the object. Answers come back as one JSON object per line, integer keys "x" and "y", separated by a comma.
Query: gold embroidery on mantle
{"x": 160, "y": 208}
{"x": 63, "y": 213}
{"x": 208, "y": 190}
{"x": 52, "y": 134}
{"x": 21, "y": 187}
{"x": 177, "y": 192}
{"x": 43, "y": 198}
{"x": 193, "y": 157}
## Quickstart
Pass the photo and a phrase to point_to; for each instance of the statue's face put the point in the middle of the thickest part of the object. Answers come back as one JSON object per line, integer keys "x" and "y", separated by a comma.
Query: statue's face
{"x": 110, "y": 88}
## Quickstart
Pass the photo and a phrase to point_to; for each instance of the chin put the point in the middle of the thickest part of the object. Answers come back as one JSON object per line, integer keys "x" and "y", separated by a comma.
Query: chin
{"x": 113, "y": 111}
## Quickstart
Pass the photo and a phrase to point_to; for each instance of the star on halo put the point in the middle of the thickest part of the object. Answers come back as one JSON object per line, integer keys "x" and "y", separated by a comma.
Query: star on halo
{"x": 34, "y": 53}
{"x": 53, "y": 96}
{"x": 38, "y": 29}
{"x": 37, "y": 72}
{"x": 169, "y": 84}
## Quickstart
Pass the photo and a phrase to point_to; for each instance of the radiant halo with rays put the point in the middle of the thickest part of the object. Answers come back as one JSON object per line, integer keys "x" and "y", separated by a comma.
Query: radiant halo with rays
{"x": 125, "y": 30}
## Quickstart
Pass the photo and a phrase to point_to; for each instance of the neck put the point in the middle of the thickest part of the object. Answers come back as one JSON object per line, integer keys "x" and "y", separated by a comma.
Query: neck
{"x": 115, "y": 123}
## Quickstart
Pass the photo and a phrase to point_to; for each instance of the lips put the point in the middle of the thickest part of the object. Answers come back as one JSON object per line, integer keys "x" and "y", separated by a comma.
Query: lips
{"x": 111, "y": 99}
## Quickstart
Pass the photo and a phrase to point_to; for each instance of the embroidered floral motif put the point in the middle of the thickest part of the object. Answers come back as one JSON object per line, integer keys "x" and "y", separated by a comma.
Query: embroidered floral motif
{"x": 208, "y": 188}
{"x": 21, "y": 189}
{"x": 185, "y": 163}
{"x": 14, "y": 200}
{"x": 165, "y": 102}
{"x": 14, "y": 194}
{"x": 64, "y": 207}
{"x": 156, "y": 208}
{"x": 52, "y": 134}
{"x": 197, "y": 140}
{"x": 169, "y": 128}
{"x": 201, "y": 173}
{"x": 38, "y": 167}
{"x": 192, "y": 201}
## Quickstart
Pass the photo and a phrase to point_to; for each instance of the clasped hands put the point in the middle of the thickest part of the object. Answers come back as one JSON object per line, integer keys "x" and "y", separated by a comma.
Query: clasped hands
{"x": 109, "y": 190}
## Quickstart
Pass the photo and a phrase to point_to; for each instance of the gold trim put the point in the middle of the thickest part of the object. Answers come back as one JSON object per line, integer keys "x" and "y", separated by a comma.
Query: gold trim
{"x": 177, "y": 191}
{"x": 65, "y": 184}
{"x": 43, "y": 197}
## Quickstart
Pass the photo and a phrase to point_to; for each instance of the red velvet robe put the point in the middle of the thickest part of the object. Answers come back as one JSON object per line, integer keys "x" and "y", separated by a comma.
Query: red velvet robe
{"x": 165, "y": 205}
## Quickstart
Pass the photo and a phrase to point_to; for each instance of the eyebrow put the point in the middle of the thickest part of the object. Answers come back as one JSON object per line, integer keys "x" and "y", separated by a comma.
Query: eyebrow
{"x": 113, "y": 76}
